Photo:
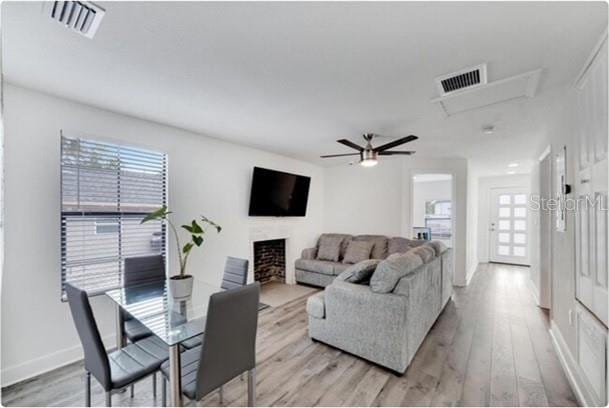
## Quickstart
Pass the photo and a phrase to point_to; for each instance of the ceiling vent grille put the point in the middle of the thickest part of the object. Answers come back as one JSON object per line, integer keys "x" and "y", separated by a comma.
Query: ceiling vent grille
{"x": 82, "y": 17}
{"x": 463, "y": 79}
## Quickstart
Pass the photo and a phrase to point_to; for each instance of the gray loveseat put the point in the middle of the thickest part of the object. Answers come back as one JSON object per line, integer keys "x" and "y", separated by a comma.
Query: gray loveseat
{"x": 316, "y": 272}
{"x": 385, "y": 328}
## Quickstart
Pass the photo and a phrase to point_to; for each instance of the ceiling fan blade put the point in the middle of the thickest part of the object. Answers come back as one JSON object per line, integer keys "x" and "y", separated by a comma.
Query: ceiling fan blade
{"x": 350, "y": 144}
{"x": 339, "y": 155}
{"x": 395, "y": 143}
{"x": 391, "y": 153}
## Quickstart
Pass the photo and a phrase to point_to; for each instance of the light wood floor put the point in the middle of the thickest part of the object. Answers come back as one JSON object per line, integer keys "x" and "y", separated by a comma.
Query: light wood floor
{"x": 490, "y": 346}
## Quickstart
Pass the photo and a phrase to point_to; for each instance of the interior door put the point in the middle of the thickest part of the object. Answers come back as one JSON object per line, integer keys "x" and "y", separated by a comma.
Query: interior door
{"x": 509, "y": 226}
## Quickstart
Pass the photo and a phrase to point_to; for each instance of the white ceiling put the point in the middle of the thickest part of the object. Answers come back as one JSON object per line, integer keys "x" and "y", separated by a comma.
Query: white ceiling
{"x": 293, "y": 77}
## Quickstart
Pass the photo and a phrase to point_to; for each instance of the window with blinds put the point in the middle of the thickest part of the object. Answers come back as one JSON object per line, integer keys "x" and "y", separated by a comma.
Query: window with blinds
{"x": 106, "y": 190}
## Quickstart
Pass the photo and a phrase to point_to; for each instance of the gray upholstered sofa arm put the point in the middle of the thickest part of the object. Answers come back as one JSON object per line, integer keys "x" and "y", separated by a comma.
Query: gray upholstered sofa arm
{"x": 309, "y": 253}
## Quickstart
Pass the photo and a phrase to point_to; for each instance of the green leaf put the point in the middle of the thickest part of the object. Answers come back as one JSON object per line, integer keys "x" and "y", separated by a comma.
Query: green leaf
{"x": 210, "y": 222}
{"x": 197, "y": 239}
{"x": 188, "y": 228}
{"x": 161, "y": 213}
{"x": 187, "y": 247}
{"x": 196, "y": 228}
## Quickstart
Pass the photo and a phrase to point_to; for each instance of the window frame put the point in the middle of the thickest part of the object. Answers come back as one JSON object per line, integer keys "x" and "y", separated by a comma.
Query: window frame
{"x": 120, "y": 215}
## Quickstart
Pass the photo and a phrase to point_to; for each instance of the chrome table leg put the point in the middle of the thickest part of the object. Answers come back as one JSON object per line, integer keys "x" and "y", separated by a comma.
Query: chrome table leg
{"x": 175, "y": 380}
{"x": 251, "y": 387}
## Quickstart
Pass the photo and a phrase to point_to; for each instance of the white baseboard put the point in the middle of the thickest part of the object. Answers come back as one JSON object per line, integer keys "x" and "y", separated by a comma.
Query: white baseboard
{"x": 17, "y": 373}
{"x": 533, "y": 290}
{"x": 571, "y": 368}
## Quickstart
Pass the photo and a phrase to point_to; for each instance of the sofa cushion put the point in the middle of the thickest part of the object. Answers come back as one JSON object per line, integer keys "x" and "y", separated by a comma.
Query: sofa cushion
{"x": 438, "y": 247}
{"x": 358, "y": 251}
{"x": 391, "y": 270}
{"x": 340, "y": 268}
{"x": 402, "y": 245}
{"x": 425, "y": 252}
{"x": 315, "y": 265}
{"x": 316, "y": 306}
{"x": 345, "y": 239}
{"x": 329, "y": 248}
{"x": 359, "y": 272}
{"x": 398, "y": 245}
{"x": 379, "y": 250}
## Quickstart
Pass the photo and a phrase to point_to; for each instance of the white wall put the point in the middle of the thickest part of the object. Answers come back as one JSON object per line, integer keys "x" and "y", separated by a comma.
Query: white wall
{"x": 206, "y": 176}
{"x": 424, "y": 191}
{"x": 485, "y": 186}
{"x": 471, "y": 256}
{"x": 359, "y": 201}
{"x": 364, "y": 200}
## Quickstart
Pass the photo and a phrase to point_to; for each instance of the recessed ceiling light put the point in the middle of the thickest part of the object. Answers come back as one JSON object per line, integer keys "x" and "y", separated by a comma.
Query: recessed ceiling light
{"x": 488, "y": 129}
{"x": 511, "y": 172}
{"x": 513, "y": 165}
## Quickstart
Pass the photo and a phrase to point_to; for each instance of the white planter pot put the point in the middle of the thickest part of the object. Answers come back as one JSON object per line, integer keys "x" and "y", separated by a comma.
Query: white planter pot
{"x": 181, "y": 288}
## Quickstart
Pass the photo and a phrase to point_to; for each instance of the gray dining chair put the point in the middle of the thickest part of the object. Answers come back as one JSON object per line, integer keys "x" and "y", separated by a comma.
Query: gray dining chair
{"x": 235, "y": 276}
{"x": 121, "y": 368}
{"x": 235, "y": 273}
{"x": 228, "y": 349}
{"x": 137, "y": 271}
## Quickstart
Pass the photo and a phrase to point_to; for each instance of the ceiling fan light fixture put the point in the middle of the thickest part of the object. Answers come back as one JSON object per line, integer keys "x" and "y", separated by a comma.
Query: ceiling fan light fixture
{"x": 368, "y": 162}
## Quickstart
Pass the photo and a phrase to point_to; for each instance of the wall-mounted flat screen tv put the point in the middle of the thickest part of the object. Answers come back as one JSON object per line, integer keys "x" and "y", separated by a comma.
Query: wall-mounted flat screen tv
{"x": 278, "y": 194}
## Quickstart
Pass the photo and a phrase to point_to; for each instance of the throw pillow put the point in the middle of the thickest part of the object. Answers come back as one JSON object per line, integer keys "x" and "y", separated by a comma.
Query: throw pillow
{"x": 329, "y": 249}
{"x": 398, "y": 245}
{"x": 425, "y": 252}
{"x": 358, "y": 251}
{"x": 438, "y": 247}
{"x": 389, "y": 271}
{"x": 359, "y": 272}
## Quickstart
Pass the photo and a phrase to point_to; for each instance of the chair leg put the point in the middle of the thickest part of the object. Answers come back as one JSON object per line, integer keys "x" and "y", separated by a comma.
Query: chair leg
{"x": 132, "y": 390}
{"x": 221, "y": 394}
{"x": 251, "y": 387}
{"x": 108, "y": 399}
{"x": 88, "y": 389}
{"x": 164, "y": 392}
{"x": 154, "y": 385}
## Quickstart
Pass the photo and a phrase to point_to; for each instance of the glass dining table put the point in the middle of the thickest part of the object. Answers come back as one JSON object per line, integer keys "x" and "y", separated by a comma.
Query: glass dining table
{"x": 172, "y": 320}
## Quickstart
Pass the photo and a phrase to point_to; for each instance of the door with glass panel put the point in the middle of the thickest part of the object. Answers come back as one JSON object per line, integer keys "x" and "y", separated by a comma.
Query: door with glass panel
{"x": 509, "y": 226}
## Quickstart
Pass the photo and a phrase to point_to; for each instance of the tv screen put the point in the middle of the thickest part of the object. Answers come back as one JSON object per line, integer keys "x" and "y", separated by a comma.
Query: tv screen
{"x": 278, "y": 194}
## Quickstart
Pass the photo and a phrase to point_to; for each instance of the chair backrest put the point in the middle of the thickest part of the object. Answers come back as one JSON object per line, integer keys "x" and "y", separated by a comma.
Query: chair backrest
{"x": 96, "y": 359}
{"x": 235, "y": 273}
{"x": 143, "y": 269}
{"x": 229, "y": 342}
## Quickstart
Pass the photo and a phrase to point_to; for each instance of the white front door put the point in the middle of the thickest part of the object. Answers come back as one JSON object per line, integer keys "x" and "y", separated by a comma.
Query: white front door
{"x": 509, "y": 226}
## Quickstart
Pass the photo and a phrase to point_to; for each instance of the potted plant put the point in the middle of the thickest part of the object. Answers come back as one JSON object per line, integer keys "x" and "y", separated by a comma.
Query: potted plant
{"x": 181, "y": 284}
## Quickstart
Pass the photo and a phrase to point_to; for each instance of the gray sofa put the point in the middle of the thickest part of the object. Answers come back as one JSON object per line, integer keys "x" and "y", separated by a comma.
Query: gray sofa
{"x": 385, "y": 328}
{"x": 316, "y": 272}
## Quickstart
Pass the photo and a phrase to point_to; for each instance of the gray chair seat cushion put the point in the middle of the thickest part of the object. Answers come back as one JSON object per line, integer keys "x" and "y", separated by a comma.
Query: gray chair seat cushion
{"x": 135, "y": 330}
{"x": 340, "y": 268}
{"x": 358, "y": 251}
{"x": 192, "y": 343}
{"x": 189, "y": 365}
{"x": 359, "y": 272}
{"x": 136, "y": 360}
{"x": 316, "y": 306}
{"x": 391, "y": 270}
{"x": 315, "y": 265}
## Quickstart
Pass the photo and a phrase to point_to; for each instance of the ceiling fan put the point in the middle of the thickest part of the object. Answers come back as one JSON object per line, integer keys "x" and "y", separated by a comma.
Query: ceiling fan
{"x": 368, "y": 154}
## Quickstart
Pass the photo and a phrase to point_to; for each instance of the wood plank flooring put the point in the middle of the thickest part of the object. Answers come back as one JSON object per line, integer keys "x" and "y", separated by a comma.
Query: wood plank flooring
{"x": 490, "y": 346}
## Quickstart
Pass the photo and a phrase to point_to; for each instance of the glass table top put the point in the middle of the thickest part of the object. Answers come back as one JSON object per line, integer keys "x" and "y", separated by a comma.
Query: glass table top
{"x": 172, "y": 320}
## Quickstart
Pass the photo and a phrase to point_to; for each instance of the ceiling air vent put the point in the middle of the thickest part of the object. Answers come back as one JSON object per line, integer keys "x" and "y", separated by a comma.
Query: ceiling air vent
{"x": 463, "y": 79}
{"x": 82, "y": 17}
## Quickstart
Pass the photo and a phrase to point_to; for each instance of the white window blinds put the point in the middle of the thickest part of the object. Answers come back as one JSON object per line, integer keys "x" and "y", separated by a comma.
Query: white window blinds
{"x": 106, "y": 190}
